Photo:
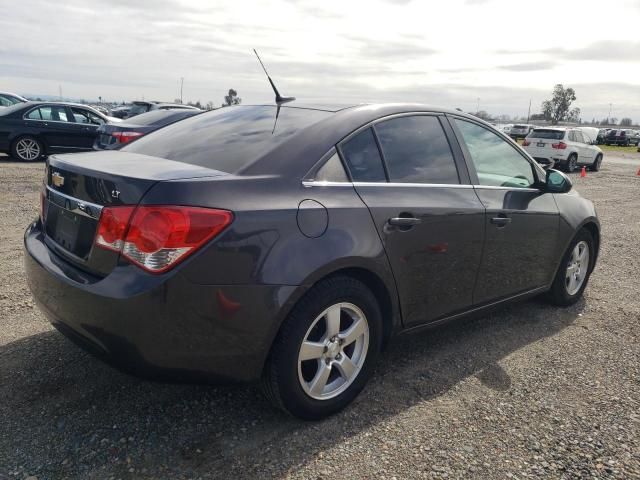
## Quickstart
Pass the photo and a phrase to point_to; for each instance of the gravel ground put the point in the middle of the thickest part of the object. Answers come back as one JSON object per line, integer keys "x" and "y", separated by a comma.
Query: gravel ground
{"x": 530, "y": 391}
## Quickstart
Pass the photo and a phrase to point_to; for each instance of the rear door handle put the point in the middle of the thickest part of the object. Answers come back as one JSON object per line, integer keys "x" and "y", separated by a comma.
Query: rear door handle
{"x": 501, "y": 221}
{"x": 404, "y": 221}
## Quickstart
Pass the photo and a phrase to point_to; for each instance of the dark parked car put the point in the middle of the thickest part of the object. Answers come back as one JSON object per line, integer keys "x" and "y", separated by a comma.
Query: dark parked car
{"x": 602, "y": 136}
{"x": 121, "y": 112}
{"x": 221, "y": 246}
{"x": 114, "y": 135}
{"x": 31, "y": 130}
{"x": 624, "y": 137}
{"x": 141, "y": 107}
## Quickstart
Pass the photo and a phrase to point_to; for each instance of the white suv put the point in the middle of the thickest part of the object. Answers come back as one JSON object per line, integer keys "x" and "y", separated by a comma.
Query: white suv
{"x": 566, "y": 148}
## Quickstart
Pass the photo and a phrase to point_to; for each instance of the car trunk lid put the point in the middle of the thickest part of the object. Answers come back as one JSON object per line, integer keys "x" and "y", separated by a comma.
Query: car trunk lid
{"x": 79, "y": 186}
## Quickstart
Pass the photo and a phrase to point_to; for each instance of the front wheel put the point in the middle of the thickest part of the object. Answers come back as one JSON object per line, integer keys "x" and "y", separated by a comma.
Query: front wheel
{"x": 326, "y": 349}
{"x": 574, "y": 271}
{"x": 595, "y": 166}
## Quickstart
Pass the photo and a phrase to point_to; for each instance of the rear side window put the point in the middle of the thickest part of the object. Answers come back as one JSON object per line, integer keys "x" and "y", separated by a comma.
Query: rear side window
{"x": 416, "y": 150}
{"x": 363, "y": 158}
{"x": 51, "y": 113}
{"x": 547, "y": 134}
{"x": 228, "y": 139}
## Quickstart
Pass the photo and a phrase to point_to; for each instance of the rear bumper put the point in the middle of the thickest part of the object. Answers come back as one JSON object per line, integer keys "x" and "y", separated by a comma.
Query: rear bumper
{"x": 158, "y": 326}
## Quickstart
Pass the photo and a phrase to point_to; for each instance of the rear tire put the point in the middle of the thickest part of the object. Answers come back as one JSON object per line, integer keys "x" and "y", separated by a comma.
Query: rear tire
{"x": 325, "y": 381}
{"x": 572, "y": 163}
{"x": 27, "y": 149}
{"x": 574, "y": 271}
{"x": 595, "y": 166}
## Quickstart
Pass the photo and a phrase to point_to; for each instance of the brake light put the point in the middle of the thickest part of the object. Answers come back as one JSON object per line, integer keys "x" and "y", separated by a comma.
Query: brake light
{"x": 156, "y": 238}
{"x": 559, "y": 146}
{"x": 526, "y": 143}
{"x": 124, "y": 137}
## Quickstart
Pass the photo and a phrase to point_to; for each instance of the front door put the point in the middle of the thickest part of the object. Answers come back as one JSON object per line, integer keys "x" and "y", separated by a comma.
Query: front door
{"x": 430, "y": 222}
{"x": 521, "y": 221}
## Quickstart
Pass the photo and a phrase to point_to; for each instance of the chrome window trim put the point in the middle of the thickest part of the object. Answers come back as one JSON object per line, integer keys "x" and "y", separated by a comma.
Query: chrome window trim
{"x": 80, "y": 207}
{"x": 312, "y": 183}
{"x": 496, "y": 187}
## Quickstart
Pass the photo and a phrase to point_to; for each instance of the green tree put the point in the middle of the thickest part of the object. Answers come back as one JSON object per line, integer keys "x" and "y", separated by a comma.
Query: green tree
{"x": 558, "y": 108}
{"x": 232, "y": 98}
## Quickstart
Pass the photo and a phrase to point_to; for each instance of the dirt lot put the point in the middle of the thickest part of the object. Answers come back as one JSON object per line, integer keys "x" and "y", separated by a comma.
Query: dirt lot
{"x": 527, "y": 392}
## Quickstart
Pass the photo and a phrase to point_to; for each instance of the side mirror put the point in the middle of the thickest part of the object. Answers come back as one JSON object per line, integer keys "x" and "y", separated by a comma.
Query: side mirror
{"x": 558, "y": 182}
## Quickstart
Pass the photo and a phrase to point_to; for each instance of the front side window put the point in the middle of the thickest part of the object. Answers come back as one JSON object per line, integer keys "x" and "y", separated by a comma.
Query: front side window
{"x": 497, "y": 162}
{"x": 416, "y": 150}
{"x": 85, "y": 116}
{"x": 363, "y": 158}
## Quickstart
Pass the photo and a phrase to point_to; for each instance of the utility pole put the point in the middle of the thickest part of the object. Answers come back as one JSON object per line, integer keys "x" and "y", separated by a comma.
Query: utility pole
{"x": 181, "y": 85}
{"x": 609, "y": 117}
{"x": 478, "y": 105}
{"x": 529, "y": 112}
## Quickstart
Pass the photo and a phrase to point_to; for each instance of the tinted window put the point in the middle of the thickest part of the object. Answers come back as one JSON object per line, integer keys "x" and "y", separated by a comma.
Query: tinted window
{"x": 497, "y": 162}
{"x": 548, "y": 134}
{"x": 227, "y": 139}
{"x": 579, "y": 137}
{"x": 138, "y": 108}
{"x": 50, "y": 112}
{"x": 416, "y": 150}
{"x": 363, "y": 158}
{"x": 161, "y": 117}
{"x": 81, "y": 115}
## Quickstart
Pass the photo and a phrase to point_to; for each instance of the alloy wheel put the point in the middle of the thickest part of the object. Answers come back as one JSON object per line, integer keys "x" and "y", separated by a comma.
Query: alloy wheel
{"x": 333, "y": 351}
{"x": 577, "y": 267}
{"x": 28, "y": 149}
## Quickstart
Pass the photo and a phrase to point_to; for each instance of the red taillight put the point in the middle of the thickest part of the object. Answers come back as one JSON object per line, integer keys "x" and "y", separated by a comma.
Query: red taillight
{"x": 559, "y": 146}
{"x": 526, "y": 143}
{"x": 124, "y": 137}
{"x": 112, "y": 227}
{"x": 156, "y": 238}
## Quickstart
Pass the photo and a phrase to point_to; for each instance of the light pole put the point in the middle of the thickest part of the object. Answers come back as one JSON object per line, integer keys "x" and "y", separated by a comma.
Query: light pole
{"x": 181, "y": 85}
{"x": 478, "y": 105}
{"x": 609, "y": 117}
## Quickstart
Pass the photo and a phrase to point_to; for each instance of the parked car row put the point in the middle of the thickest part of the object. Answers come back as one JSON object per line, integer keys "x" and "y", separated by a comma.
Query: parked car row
{"x": 32, "y": 130}
{"x": 138, "y": 107}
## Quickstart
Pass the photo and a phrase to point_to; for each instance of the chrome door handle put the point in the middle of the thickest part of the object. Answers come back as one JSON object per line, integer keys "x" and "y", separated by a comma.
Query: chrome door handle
{"x": 500, "y": 221}
{"x": 404, "y": 221}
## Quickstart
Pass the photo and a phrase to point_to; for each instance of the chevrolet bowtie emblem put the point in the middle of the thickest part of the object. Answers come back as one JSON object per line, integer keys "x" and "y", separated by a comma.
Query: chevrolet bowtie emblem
{"x": 57, "y": 179}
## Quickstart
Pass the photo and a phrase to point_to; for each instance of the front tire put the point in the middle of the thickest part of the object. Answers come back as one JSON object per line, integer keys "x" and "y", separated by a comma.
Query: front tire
{"x": 575, "y": 269}
{"x": 326, "y": 349}
{"x": 27, "y": 149}
{"x": 595, "y": 166}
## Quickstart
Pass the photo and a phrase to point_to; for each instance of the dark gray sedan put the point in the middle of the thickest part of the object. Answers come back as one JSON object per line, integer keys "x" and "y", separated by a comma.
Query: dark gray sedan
{"x": 291, "y": 243}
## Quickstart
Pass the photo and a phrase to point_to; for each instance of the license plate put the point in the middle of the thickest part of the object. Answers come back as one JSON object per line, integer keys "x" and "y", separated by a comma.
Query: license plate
{"x": 540, "y": 144}
{"x": 66, "y": 230}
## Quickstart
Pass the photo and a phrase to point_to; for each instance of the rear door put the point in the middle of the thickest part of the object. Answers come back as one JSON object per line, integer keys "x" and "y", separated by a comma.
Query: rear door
{"x": 584, "y": 154}
{"x": 521, "y": 222}
{"x": 56, "y": 127}
{"x": 426, "y": 212}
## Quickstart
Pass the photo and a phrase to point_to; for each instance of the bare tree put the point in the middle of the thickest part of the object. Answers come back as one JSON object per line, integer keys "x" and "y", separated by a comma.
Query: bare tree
{"x": 626, "y": 122}
{"x": 558, "y": 108}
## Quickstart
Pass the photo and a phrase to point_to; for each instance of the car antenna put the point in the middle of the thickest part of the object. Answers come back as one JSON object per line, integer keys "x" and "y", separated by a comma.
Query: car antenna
{"x": 279, "y": 98}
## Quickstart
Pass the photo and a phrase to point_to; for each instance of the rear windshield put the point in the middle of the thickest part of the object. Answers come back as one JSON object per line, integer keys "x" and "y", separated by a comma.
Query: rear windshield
{"x": 227, "y": 139}
{"x": 549, "y": 134}
{"x": 520, "y": 126}
{"x": 161, "y": 117}
{"x": 138, "y": 108}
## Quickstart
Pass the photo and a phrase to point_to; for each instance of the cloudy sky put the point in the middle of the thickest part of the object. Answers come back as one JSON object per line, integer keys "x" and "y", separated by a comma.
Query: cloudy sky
{"x": 454, "y": 53}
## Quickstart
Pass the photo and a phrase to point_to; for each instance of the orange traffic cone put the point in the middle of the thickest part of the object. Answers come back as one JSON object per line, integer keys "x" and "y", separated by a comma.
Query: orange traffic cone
{"x": 583, "y": 173}
{"x": 638, "y": 174}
